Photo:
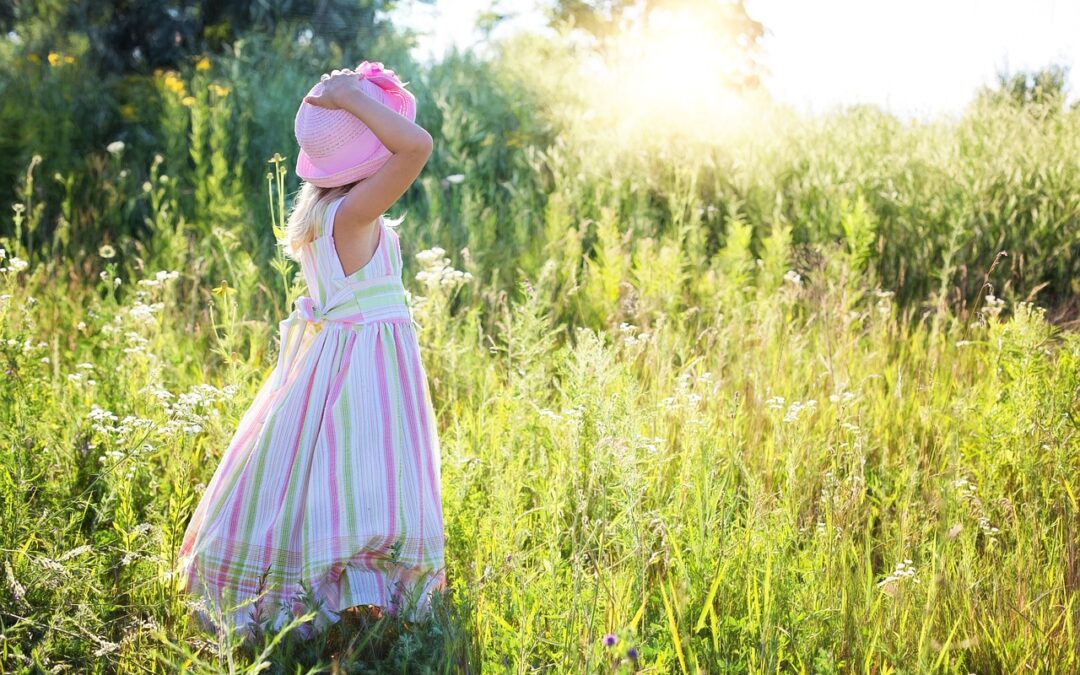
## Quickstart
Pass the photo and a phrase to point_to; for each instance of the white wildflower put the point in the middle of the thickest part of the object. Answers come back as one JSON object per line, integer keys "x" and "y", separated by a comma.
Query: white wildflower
{"x": 775, "y": 403}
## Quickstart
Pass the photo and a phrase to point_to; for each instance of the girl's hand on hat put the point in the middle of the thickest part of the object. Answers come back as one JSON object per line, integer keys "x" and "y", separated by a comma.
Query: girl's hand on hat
{"x": 335, "y": 85}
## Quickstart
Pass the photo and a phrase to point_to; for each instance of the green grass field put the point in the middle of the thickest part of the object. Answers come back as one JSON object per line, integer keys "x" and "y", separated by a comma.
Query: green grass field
{"x": 770, "y": 403}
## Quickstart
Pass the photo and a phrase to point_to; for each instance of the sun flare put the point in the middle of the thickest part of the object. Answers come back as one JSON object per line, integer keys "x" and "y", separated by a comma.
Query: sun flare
{"x": 670, "y": 72}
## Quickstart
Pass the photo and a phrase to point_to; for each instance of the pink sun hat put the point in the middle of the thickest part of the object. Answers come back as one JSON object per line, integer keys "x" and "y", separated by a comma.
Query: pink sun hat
{"x": 336, "y": 148}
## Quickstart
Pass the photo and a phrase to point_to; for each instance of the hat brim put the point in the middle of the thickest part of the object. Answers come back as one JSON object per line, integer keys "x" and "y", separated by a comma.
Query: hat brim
{"x": 316, "y": 176}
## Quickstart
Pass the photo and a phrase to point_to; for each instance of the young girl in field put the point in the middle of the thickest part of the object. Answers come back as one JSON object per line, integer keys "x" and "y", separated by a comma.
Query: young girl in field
{"x": 328, "y": 496}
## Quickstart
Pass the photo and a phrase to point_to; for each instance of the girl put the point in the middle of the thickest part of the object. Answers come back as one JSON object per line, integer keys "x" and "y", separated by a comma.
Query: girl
{"x": 328, "y": 496}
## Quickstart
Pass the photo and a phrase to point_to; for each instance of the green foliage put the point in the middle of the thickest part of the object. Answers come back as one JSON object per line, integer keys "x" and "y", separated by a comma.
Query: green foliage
{"x": 685, "y": 398}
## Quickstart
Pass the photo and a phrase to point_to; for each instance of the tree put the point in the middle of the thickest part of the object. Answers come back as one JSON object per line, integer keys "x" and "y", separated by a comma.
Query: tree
{"x": 137, "y": 36}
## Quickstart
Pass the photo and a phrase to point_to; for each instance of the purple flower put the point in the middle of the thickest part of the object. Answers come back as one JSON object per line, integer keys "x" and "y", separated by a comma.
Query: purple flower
{"x": 632, "y": 653}
{"x": 610, "y": 640}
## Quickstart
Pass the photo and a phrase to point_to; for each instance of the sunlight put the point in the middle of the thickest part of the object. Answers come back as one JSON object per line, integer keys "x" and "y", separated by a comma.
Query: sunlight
{"x": 671, "y": 72}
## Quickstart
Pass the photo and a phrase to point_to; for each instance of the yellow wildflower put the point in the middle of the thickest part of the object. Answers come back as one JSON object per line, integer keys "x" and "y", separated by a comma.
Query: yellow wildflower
{"x": 174, "y": 83}
{"x": 224, "y": 289}
{"x": 127, "y": 110}
{"x": 33, "y": 58}
{"x": 218, "y": 89}
{"x": 203, "y": 64}
{"x": 54, "y": 58}
{"x": 69, "y": 59}
{"x": 188, "y": 101}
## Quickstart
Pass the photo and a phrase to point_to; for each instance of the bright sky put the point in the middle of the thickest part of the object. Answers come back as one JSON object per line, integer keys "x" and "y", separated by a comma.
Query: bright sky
{"x": 914, "y": 57}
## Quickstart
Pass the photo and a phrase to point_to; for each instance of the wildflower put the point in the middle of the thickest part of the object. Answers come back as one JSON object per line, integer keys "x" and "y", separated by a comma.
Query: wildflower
{"x": 17, "y": 264}
{"x": 437, "y": 271}
{"x": 54, "y": 59}
{"x": 116, "y": 147}
{"x": 75, "y": 552}
{"x": 456, "y": 179}
{"x": 994, "y": 305}
{"x": 174, "y": 83}
{"x": 797, "y": 408}
{"x": 219, "y": 90}
{"x": 146, "y": 186}
{"x": 429, "y": 256}
{"x": 202, "y": 64}
{"x": 610, "y": 640}
{"x": 904, "y": 571}
{"x": 188, "y": 101}
{"x": 106, "y": 251}
{"x": 127, "y": 111}
{"x": 792, "y": 277}
{"x": 17, "y": 589}
{"x": 632, "y": 654}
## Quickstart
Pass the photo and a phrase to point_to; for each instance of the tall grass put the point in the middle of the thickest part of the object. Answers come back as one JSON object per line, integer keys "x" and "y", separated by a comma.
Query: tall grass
{"x": 736, "y": 408}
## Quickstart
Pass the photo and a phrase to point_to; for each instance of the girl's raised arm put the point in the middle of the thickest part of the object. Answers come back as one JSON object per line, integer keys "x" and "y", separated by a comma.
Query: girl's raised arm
{"x": 410, "y": 146}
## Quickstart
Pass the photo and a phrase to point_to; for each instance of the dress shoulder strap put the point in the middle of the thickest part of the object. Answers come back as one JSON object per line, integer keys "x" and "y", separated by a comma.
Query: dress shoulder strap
{"x": 327, "y": 225}
{"x": 395, "y": 248}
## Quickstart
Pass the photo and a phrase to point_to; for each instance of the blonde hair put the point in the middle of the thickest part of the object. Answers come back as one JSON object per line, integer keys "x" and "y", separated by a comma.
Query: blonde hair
{"x": 308, "y": 208}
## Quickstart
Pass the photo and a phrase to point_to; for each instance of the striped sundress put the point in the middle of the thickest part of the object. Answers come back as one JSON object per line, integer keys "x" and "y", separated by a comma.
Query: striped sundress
{"x": 330, "y": 484}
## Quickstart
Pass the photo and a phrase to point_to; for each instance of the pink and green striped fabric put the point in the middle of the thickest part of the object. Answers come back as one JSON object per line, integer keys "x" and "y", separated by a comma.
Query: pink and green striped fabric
{"x": 331, "y": 481}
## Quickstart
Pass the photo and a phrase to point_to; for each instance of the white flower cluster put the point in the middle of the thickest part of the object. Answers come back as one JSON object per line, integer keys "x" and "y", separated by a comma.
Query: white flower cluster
{"x": 968, "y": 493}
{"x": 143, "y": 316}
{"x": 884, "y": 304}
{"x": 684, "y": 396}
{"x": 80, "y": 378}
{"x": 571, "y": 413}
{"x": 796, "y": 409}
{"x": 437, "y": 271}
{"x": 159, "y": 279}
{"x": 793, "y": 277}
{"x": 104, "y": 275}
{"x": 188, "y": 414}
{"x": 842, "y": 397}
{"x": 632, "y": 336}
{"x": 993, "y": 306}
{"x": 14, "y": 264}
{"x": 136, "y": 343}
{"x": 903, "y": 572}
{"x": 106, "y": 422}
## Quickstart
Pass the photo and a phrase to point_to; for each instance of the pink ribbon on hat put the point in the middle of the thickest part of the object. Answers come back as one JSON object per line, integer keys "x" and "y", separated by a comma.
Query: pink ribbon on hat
{"x": 379, "y": 75}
